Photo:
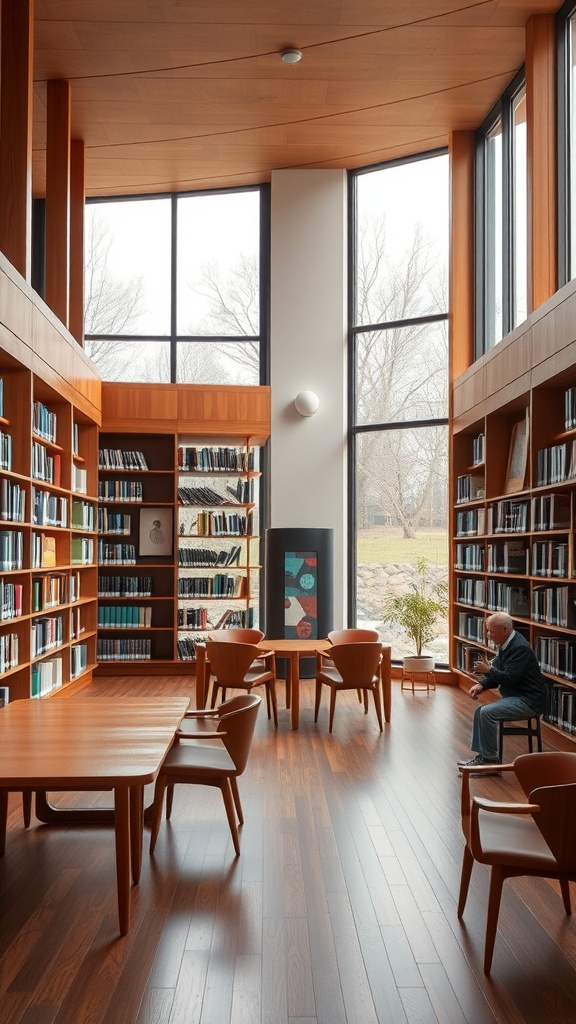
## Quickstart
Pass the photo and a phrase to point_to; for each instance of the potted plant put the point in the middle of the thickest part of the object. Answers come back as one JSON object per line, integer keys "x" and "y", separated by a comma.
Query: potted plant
{"x": 417, "y": 611}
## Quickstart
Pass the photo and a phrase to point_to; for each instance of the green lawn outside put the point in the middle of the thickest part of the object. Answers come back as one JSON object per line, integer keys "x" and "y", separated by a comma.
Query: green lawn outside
{"x": 387, "y": 545}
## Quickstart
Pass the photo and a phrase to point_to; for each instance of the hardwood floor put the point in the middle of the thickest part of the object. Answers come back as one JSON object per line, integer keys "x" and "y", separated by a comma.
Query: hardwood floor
{"x": 340, "y": 910}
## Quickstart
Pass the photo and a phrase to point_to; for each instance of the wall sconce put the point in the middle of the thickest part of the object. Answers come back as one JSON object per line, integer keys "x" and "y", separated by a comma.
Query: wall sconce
{"x": 307, "y": 403}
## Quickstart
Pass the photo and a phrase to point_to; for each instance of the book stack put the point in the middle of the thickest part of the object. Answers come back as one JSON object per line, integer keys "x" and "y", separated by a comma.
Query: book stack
{"x": 116, "y": 554}
{"x": 43, "y": 422}
{"x": 113, "y": 522}
{"x": 214, "y": 460}
{"x": 124, "y": 650}
{"x": 45, "y": 634}
{"x": 12, "y": 501}
{"x": 46, "y": 676}
{"x": 49, "y": 509}
{"x": 10, "y": 600}
{"x": 83, "y": 515}
{"x": 11, "y": 550}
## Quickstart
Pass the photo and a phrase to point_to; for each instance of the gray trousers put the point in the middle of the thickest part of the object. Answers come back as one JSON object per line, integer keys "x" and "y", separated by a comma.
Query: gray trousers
{"x": 486, "y": 718}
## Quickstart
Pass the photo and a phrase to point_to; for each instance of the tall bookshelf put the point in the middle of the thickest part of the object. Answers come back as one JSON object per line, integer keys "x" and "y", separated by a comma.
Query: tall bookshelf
{"x": 514, "y": 534}
{"x": 136, "y": 549}
{"x": 214, "y": 540}
{"x": 218, "y": 538}
{"x": 47, "y": 536}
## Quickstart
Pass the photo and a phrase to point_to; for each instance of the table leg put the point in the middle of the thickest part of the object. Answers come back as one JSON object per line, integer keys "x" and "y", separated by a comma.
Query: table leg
{"x": 200, "y": 676}
{"x": 3, "y": 819}
{"x": 136, "y": 829}
{"x": 386, "y": 677}
{"x": 295, "y": 689}
{"x": 122, "y": 829}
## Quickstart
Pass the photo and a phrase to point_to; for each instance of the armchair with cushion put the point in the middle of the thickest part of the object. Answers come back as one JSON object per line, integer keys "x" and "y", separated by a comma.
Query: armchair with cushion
{"x": 536, "y": 837}
{"x": 193, "y": 761}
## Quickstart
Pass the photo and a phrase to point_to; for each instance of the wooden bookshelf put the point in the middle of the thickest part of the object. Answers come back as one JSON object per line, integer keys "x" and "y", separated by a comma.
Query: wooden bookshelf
{"x": 218, "y": 538}
{"x": 47, "y": 538}
{"x": 514, "y": 540}
{"x": 136, "y": 489}
{"x": 158, "y": 421}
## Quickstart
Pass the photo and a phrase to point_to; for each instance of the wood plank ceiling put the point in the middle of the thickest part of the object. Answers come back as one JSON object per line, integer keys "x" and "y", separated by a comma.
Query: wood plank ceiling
{"x": 192, "y": 94}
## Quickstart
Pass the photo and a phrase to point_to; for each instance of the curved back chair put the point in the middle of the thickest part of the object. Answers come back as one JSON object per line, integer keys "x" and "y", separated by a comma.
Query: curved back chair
{"x": 207, "y": 764}
{"x": 352, "y": 636}
{"x": 242, "y": 667}
{"x": 516, "y": 839}
{"x": 349, "y": 666}
{"x": 236, "y": 636}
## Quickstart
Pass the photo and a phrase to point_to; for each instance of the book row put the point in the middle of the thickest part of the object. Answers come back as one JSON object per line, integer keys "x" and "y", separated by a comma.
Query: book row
{"x": 124, "y": 616}
{"x": 116, "y": 458}
{"x": 5, "y": 451}
{"x": 216, "y": 459}
{"x": 201, "y": 496}
{"x": 45, "y": 634}
{"x": 8, "y": 651}
{"x": 12, "y": 501}
{"x": 54, "y": 589}
{"x": 124, "y": 650}
{"x": 113, "y": 522}
{"x": 556, "y": 463}
{"x": 544, "y": 558}
{"x": 197, "y": 557}
{"x": 549, "y": 512}
{"x": 561, "y": 708}
{"x": 78, "y": 660}
{"x": 220, "y": 524}
{"x": 44, "y": 466}
{"x": 46, "y": 676}
{"x": 116, "y": 554}
{"x": 198, "y": 618}
{"x": 49, "y": 509}
{"x": 124, "y": 586}
{"x": 120, "y": 490}
{"x": 219, "y": 585}
{"x": 44, "y": 422}
{"x": 10, "y": 600}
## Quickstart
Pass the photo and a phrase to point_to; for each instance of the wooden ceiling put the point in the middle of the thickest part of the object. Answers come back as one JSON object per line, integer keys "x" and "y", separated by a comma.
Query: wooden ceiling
{"x": 192, "y": 94}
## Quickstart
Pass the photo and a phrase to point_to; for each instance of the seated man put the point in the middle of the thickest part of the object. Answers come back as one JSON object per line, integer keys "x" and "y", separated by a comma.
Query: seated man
{"x": 523, "y": 689}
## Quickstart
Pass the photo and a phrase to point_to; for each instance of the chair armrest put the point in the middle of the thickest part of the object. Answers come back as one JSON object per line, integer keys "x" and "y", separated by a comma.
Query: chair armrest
{"x": 501, "y": 807}
{"x": 267, "y": 656}
{"x": 202, "y": 713}
{"x": 200, "y": 735}
{"x": 466, "y": 772}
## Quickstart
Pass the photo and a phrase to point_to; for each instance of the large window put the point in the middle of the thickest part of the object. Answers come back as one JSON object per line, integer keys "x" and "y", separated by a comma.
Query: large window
{"x": 176, "y": 287}
{"x": 399, "y": 388}
{"x": 501, "y": 219}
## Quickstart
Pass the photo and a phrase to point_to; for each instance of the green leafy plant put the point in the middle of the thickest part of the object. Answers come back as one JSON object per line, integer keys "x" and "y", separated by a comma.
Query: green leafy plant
{"x": 418, "y": 610}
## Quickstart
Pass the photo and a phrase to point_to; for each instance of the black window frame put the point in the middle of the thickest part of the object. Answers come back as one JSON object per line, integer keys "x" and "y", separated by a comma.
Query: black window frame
{"x": 502, "y": 111}
{"x": 173, "y": 338}
{"x": 354, "y": 331}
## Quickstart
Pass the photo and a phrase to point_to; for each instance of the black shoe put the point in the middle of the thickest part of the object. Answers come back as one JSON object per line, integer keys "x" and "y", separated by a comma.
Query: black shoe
{"x": 480, "y": 762}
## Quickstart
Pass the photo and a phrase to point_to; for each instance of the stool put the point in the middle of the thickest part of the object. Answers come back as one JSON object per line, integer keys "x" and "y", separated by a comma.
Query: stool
{"x": 418, "y": 681}
{"x": 531, "y": 730}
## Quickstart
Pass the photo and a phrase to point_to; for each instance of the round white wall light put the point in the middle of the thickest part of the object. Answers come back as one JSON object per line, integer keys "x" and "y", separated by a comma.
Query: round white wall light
{"x": 307, "y": 403}
{"x": 291, "y": 56}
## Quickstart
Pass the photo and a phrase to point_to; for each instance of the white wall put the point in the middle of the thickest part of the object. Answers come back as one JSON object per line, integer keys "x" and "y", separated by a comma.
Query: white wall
{"x": 308, "y": 353}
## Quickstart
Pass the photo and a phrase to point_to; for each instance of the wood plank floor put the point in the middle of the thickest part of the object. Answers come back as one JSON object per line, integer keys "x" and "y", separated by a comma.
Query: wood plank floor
{"x": 340, "y": 910}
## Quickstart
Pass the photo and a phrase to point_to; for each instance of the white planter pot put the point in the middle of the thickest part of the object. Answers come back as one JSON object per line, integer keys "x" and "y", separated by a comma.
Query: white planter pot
{"x": 415, "y": 663}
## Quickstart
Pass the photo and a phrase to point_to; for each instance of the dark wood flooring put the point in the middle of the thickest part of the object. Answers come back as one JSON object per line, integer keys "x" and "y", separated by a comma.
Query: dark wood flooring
{"x": 341, "y": 908}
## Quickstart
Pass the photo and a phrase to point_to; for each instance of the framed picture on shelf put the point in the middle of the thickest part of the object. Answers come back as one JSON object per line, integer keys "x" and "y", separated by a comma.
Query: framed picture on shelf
{"x": 517, "y": 457}
{"x": 155, "y": 531}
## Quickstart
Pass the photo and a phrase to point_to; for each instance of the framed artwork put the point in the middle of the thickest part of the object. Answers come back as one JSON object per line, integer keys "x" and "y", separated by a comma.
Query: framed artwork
{"x": 155, "y": 531}
{"x": 517, "y": 457}
{"x": 301, "y": 595}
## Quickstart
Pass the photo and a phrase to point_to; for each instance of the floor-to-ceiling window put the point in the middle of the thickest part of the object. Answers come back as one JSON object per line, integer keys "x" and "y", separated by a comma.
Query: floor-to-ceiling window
{"x": 399, "y": 388}
{"x": 176, "y": 287}
{"x": 501, "y": 219}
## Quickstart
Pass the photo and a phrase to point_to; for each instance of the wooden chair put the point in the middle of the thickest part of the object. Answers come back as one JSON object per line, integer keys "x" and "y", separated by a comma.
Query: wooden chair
{"x": 230, "y": 636}
{"x": 349, "y": 666}
{"x": 353, "y": 636}
{"x": 533, "y": 838}
{"x": 530, "y": 729}
{"x": 193, "y": 762}
{"x": 242, "y": 667}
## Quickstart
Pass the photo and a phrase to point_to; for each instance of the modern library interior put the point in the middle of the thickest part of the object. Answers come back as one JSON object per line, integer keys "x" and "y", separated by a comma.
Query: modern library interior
{"x": 287, "y": 365}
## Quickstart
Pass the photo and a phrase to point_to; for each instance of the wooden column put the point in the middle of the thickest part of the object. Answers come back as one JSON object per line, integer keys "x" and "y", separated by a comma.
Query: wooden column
{"x": 461, "y": 252}
{"x": 58, "y": 199}
{"x": 77, "y": 196}
{"x": 17, "y": 28}
{"x": 541, "y": 117}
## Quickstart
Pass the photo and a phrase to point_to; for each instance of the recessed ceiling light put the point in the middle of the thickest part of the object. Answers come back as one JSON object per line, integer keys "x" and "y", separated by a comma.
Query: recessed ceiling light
{"x": 291, "y": 56}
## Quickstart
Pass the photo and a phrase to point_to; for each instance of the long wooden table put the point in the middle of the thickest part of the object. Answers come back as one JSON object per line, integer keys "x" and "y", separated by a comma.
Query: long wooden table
{"x": 293, "y": 650}
{"x": 83, "y": 743}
